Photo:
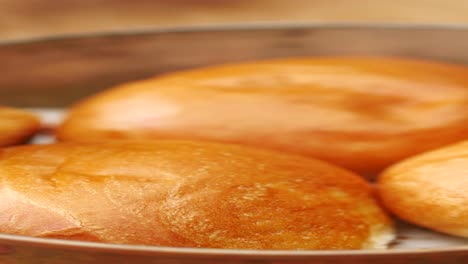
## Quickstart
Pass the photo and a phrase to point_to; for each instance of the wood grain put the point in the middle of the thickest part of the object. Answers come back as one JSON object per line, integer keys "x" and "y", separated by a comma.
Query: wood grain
{"x": 33, "y": 18}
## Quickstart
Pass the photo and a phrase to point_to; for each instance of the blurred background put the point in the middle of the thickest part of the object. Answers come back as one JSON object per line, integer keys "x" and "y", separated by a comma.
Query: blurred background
{"x": 21, "y": 19}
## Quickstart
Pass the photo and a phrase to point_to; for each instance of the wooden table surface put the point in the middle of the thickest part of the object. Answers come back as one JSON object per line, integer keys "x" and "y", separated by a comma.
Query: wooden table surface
{"x": 35, "y": 18}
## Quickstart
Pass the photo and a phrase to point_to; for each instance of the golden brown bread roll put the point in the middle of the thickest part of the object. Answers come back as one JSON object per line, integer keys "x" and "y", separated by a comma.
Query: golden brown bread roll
{"x": 361, "y": 113}
{"x": 186, "y": 194}
{"x": 430, "y": 189}
{"x": 16, "y": 126}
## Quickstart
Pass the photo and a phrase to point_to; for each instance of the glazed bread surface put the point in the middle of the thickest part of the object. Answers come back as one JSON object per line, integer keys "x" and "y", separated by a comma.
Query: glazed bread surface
{"x": 360, "y": 113}
{"x": 186, "y": 194}
{"x": 16, "y": 126}
{"x": 430, "y": 190}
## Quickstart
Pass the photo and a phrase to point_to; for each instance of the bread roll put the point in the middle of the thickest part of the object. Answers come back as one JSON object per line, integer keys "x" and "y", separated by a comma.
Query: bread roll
{"x": 16, "y": 126}
{"x": 361, "y": 113}
{"x": 186, "y": 194}
{"x": 430, "y": 190}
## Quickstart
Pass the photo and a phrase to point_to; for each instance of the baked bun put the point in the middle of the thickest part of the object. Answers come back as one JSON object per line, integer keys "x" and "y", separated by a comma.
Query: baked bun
{"x": 186, "y": 194}
{"x": 430, "y": 190}
{"x": 16, "y": 126}
{"x": 360, "y": 113}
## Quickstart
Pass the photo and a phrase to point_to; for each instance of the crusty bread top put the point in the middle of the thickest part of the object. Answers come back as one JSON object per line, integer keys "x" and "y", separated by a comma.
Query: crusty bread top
{"x": 186, "y": 194}
{"x": 430, "y": 189}
{"x": 360, "y": 113}
{"x": 16, "y": 126}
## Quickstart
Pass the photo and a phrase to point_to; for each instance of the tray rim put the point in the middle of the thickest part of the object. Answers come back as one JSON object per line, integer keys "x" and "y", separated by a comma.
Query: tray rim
{"x": 124, "y": 248}
{"x": 142, "y": 31}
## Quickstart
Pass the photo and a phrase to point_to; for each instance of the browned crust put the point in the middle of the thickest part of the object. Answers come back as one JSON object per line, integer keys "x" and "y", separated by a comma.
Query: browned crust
{"x": 186, "y": 194}
{"x": 430, "y": 190}
{"x": 360, "y": 113}
{"x": 16, "y": 126}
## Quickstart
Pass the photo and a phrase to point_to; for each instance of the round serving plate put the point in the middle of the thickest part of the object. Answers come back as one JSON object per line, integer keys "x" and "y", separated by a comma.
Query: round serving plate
{"x": 18, "y": 249}
{"x": 49, "y": 74}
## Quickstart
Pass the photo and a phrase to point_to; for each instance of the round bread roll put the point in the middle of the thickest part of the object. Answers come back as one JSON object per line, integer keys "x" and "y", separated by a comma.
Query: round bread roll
{"x": 360, "y": 113}
{"x": 186, "y": 194}
{"x": 16, "y": 126}
{"x": 430, "y": 190}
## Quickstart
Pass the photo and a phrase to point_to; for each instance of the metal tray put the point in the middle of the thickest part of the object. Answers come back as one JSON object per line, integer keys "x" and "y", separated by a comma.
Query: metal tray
{"x": 49, "y": 74}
